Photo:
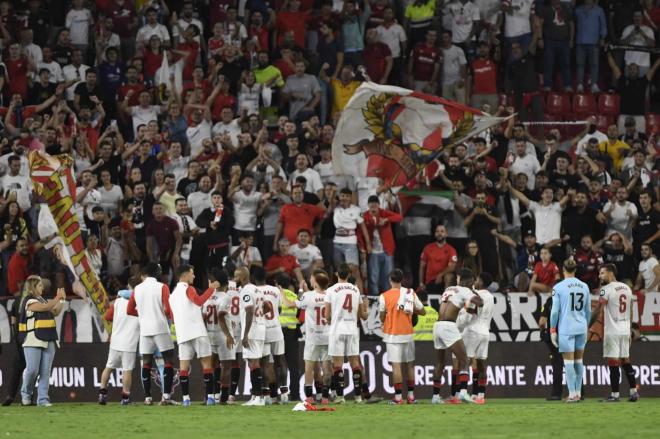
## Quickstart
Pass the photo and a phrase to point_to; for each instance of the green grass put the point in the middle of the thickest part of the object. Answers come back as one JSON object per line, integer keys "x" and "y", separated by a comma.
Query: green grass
{"x": 510, "y": 418}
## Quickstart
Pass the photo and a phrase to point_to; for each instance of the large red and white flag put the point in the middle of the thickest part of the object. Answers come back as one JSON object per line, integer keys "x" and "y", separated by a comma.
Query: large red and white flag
{"x": 394, "y": 133}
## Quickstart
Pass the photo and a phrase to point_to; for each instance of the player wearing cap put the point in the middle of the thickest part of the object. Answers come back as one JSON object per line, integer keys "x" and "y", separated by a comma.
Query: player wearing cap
{"x": 123, "y": 345}
{"x": 191, "y": 334}
{"x": 216, "y": 311}
{"x": 476, "y": 336}
{"x": 616, "y": 300}
{"x": 316, "y": 337}
{"x": 343, "y": 307}
{"x": 447, "y": 336}
{"x": 397, "y": 306}
{"x": 571, "y": 309}
{"x": 253, "y": 307}
{"x": 150, "y": 302}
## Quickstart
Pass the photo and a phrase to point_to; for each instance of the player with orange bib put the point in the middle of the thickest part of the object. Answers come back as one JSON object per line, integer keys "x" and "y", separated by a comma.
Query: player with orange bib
{"x": 397, "y": 306}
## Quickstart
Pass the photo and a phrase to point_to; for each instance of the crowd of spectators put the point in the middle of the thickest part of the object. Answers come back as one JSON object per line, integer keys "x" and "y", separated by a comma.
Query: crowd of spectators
{"x": 201, "y": 133}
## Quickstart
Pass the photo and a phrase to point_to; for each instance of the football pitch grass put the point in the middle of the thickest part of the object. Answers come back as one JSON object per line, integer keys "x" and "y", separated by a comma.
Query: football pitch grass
{"x": 503, "y": 418}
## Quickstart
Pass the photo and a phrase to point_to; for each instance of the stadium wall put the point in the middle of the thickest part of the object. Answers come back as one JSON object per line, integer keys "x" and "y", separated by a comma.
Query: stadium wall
{"x": 515, "y": 370}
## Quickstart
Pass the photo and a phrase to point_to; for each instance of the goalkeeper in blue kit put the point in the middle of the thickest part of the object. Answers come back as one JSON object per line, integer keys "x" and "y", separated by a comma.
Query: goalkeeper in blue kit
{"x": 569, "y": 320}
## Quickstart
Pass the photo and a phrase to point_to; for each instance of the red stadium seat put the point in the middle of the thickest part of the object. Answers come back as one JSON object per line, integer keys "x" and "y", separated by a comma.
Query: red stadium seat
{"x": 584, "y": 105}
{"x": 603, "y": 121}
{"x": 609, "y": 103}
{"x": 558, "y": 104}
{"x": 652, "y": 123}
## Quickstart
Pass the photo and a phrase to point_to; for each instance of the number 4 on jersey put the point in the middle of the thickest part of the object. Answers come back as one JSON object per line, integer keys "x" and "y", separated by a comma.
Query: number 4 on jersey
{"x": 348, "y": 303}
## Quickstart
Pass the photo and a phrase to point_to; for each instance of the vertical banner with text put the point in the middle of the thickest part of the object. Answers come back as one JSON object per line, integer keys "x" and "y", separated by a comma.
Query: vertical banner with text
{"x": 53, "y": 180}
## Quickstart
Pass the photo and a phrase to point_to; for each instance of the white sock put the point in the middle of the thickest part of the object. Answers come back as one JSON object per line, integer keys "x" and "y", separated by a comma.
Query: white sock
{"x": 217, "y": 396}
{"x": 615, "y": 394}
{"x": 397, "y": 397}
{"x": 185, "y": 397}
{"x": 480, "y": 395}
{"x": 411, "y": 394}
{"x": 166, "y": 396}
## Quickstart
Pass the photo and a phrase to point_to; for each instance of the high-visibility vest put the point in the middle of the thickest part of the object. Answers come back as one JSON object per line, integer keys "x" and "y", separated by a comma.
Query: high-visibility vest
{"x": 42, "y": 323}
{"x": 288, "y": 314}
{"x": 424, "y": 327}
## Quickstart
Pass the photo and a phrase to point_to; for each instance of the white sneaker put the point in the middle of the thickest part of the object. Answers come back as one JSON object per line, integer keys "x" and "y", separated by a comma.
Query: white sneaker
{"x": 284, "y": 398}
{"x": 231, "y": 400}
{"x": 217, "y": 398}
{"x": 580, "y": 88}
{"x": 267, "y": 400}
{"x": 358, "y": 400}
{"x": 595, "y": 88}
{"x": 251, "y": 401}
{"x": 436, "y": 400}
{"x": 260, "y": 401}
{"x": 339, "y": 400}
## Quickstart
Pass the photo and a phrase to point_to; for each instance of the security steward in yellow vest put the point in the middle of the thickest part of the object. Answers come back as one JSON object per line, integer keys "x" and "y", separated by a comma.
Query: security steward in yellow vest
{"x": 37, "y": 332}
{"x": 423, "y": 328}
{"x": 289, "y": 323}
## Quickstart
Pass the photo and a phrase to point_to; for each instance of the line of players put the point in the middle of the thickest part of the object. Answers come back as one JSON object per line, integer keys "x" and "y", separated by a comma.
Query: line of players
{"x": 239, "y": 320}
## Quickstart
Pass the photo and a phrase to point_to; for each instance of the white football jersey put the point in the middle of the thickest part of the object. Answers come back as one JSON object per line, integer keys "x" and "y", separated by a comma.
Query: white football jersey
{"x": 316, "y": 325}
{"x": 481, "y": 322}
{"x": 458, "y": 296}
{"x": 618, "y": 299}
{"x": 125, "y": 328}
{"x": 251, "y": 297}
{"x": 344, "y": 300}
{"x": 234, "y": 298}
{"x": 273, "y": 328}
{"x": 212, "y": 309}
{"x": 188, "y": 321}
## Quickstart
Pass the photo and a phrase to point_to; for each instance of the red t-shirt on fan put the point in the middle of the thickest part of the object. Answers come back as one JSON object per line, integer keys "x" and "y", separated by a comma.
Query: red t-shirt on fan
{"x": 485, "y": 77}
{"x": 437, "y": 258}
{"x": 374, "y": 60}
{"x": 424, "y": 58}
{"x": 546, "y": 275}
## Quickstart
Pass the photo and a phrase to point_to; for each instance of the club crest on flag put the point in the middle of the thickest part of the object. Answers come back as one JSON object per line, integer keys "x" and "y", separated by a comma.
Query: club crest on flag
{"x": 394, "y": 133}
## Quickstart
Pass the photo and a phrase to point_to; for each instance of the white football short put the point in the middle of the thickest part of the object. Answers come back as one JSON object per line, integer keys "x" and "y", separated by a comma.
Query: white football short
{"x": 274, "y": 347}
{"x": 316, "y": 352}
{"x": 255, "y": 349}
{"x": 445, "y": 334}
{"x": 149, "y": 343}
{"x": 238, "y": 337}
{"x": 219, "y": 346}
{"x": 344, "y": 345}
{"x": 120, "y": 360}
{"x": 401, "y": 352}
{"x": 198, "y": 346}
{"x": 476, "y": 345}
{"x": 616, "y": 346}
